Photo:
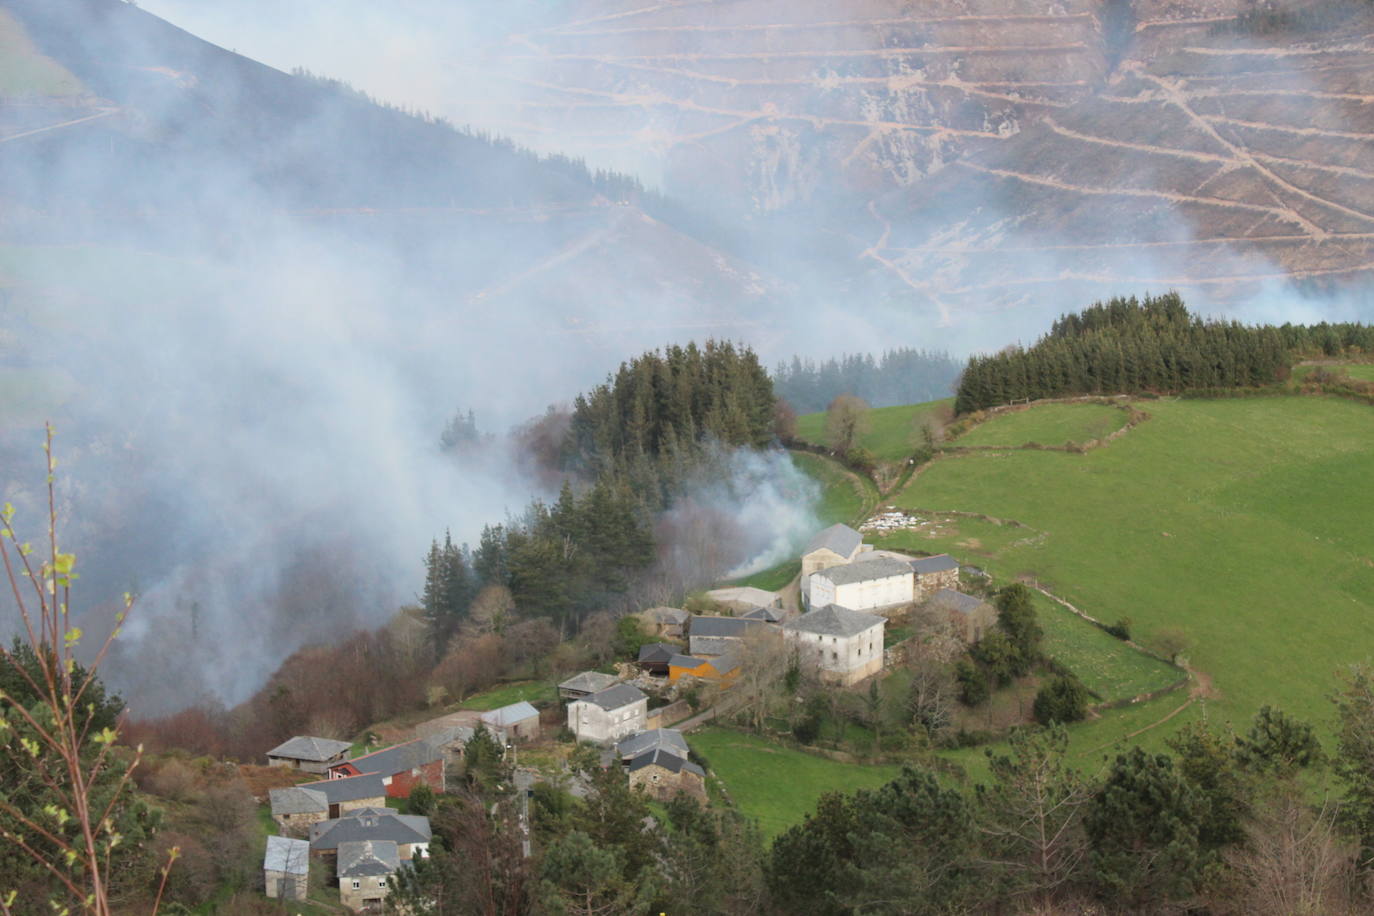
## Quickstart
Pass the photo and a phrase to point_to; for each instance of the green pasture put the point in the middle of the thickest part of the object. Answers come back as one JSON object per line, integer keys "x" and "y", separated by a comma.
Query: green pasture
{"x": 773, "y": 578}
{"x": 845, "y": 496}
{"x": 971, "y": 540}
{"x": 1107, "y": 666}
{"x": 1243, "y": 522}
{"x": 506, "y": 694}
{"x": 893, "y": 432}
{"x": 1362, "y": 371}
{"x": 1048, "y": 424}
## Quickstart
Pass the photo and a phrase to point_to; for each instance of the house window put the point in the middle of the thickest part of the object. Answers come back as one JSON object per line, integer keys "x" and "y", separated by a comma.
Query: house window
{"x": 357, "y": 884}
{"x": 834, "y": 656}
{"x": 381, "y": 882}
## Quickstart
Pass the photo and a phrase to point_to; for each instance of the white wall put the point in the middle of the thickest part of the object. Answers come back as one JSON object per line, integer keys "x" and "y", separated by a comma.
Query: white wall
{"x": 842, "y": 655}
{"x": 871, "y": 593}
{"x": 590, "y": 722}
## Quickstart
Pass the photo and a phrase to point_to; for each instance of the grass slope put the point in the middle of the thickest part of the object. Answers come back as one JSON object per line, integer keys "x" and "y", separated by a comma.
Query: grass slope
{"x": 1243, "y": 522}
{"x": 1049, "y": 424}
{"x": 26, "y": 72}
{"x": 893, "y": 432}
{"x": 845, "y": 496}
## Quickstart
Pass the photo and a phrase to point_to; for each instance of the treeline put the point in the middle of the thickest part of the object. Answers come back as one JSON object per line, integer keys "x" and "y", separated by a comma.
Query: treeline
{"x": 902, "y": 376}
{"x": 1150, "y": 345}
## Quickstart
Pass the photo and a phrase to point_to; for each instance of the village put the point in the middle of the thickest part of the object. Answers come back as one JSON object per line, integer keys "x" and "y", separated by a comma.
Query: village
{"x": 345, "y": 817}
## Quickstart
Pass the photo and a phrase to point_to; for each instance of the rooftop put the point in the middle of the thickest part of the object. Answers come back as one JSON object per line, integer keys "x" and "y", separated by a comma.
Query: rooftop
{"x": 312, "y": 797}
{"x": 957, "y": 601}
{"x": 669, "y": 738}
{"x": 666, "y": 614}
{"x": 766, "y": 614}
{"x": 941, "y": 563}
{"x": 369, "y": 824}
{"x": 686, "y": 661}
{"x": 588, "y": 682}
{"x": 368, "y": 859}
{"x": 833, "y": 620}
{"x": 840, "y": 539}
{"x": 666, "y": 759}
{"x": 657, "y": 652}
{"x": 866, "y": 571}
{"x": 287, "y": 855}
{"x": 304, "y": 747}
{"x": 744, "y": 594}
{"x": 398, "y": 758}
{"x": 616, "y": 697}
{"x": 722, "y": 626}
{"x": 509, "y": 715}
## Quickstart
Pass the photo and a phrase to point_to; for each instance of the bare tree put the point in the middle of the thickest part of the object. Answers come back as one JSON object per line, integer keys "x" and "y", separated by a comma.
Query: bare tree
{"x": 763, "y": 661}
{"x": 1294, "y": 862}
{"x": 1171, "y": 642}
{"x": 846, "y": 420}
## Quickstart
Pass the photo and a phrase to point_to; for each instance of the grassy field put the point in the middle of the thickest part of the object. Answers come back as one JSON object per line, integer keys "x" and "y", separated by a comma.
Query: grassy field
{"x": 506, "y": 694}
{"x": 24, "y": 71}
{"x": 969, "y": 539}
{"x": 845, "y": 497}
{"x": 1243, "y": 522}
{"x": 1362, "y": 371}
{"x": 1106, "y": 665}
{"x": 774, "y": 577}
{"x": 775, "y": 785}
{"x": 893, "y": 432}
{"x": 1048, "y": 424}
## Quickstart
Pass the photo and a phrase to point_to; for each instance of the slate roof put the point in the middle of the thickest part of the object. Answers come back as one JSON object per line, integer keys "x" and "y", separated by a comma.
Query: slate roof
{"x": 667, "y": 614}
{"x": 744, "y": 594}
{"x": 369, "y": 824}
{"x": 725, "y": 664}
{"x": 833, "y": 620}
{"x": 509, "y": 715}
{"x": 766, "y": 614}
{"x": 668, "y": 738}
{"x": 295, "y": 800}
{"x": 449, "y": 734}
{"x": 657, "y": 652}
{"x": 398, "y": 758}
{"x": 722, "y": 626}
{"x": 588, "y": 682}
{"x": 666, "y": 759}
{"x": 287, "y": 855}
{"x": 303, "y": 747}
{"x": 842, "y": 539}
{"x": 957, "y": 601}
{"x": 368, "y": 859}
{"x": 314, "y": 797}
{"x": 616, "y": 697}
{"x": 686, "y": 661}
{"x": 865, "y": 571}
{"x": 941, "y": 563}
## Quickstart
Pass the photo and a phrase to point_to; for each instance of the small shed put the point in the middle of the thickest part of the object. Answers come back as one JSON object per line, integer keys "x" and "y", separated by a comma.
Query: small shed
{"x": 286, "y": 868}
{"x": 585, "y": 684}
{"x": 662, "y": 774}
{"x": 932, "y": 574}
{"x": 309, "y": 755}
{"x": 971, "y": 616}
{"x": 517, "y": 722}
{"x": 654, "y": 658}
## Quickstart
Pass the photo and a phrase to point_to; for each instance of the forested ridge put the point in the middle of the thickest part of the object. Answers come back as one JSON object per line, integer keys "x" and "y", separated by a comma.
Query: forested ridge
{"x": 901, "y": 376}
{"x": 1130, "y": 345}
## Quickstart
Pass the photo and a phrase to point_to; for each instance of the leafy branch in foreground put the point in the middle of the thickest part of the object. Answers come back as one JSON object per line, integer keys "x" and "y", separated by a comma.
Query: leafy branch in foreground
{"x": 63, "y": 800}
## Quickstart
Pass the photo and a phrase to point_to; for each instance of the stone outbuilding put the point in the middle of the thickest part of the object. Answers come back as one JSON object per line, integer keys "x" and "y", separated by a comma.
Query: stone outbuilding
{"x": 971, "y": 616}
{"x": 867, "y": 585}
{"x": 669, "y": 739}
{"x": 930, "y": 574}
{"x": 410, "y": 832}
{"x": 297, "y": 808}
{"x": 401, "y": 766}
{"x": 309, "y": 755}
{"x": 609, "y": 715}
{"x": 670, "y": 622}
{"x": 719, "y": 635}
{"x": 835, "y": 546}
{"x": 662, "y": 774}
{"x": 365, "y": 870}
{"x": 286, "y": 868}
{"x": 585, "y": 684}
{"x": 845, "y": 645}
{"x": 516, "y": 722}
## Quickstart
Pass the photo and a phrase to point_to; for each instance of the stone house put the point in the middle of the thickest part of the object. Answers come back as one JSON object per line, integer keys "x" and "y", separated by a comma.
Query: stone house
{"x": 718, "y": 635}
{"x": 662, "y": 774}
{"x": 365, "y": 870}
{"x": 669, "y": 739}
{"x": 516, "y": 722}
{"x": 286, "y": 868}
{"x": 666, "y": 621}
{"x": 401, "y": 766}
{"x": 835, "y": 546}
{"x": 609, "y": 715}
{"x": 866, "y": 585}
{"x": 585, "y": 684}
{"x": 410, "y": 832}
{"x": 653, "y": 658}
{"x": 930, "y": 574}
{"x": 297, "y": 808}
{"x": 971, "y": 616}
{"x": 846, "y": 645}
{"x": 309, "y": 755}
{"x": 451, "y": 741}
{"x": 722, "y": 669}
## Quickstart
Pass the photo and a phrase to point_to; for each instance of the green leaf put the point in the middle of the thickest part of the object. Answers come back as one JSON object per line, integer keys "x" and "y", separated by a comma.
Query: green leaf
{"x": 72, "y": 636}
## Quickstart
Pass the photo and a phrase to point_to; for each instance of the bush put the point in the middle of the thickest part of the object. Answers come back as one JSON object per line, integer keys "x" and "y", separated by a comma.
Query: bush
{"x": 973, "y": 684}
{"x": 422, "y": 800}
{"x": 1121, "y": 629}
{"x": 1063, "y": 699}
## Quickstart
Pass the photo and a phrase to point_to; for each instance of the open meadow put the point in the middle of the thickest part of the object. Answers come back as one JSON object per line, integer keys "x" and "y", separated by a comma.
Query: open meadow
{"x": 1048, "y": 424}
{"x": 893, "y": 432}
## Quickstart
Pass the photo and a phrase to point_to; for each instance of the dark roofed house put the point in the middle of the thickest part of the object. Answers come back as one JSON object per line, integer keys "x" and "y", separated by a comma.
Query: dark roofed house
{"x": 297, "y": 808}
{"x": 401, "y": 766}
{"x": 609, "y": 715}
{"x": 719, "y": 635}
{"x": 847, "y": 646}
{"x": 410, "y": 832}
{"x": 932, "y": 574}
{"x": 971, "y": 616}
{"x": 286, "y": 868}
{"x": 766, "y": 614}
{"x": 365, "y": 870}
{"x": 585, "y": 684}
{"x": 662, "y": 773}
{"x": 668, "y": 738}
{"x": 654, "y": 657}
{"x": 310, "y": 755}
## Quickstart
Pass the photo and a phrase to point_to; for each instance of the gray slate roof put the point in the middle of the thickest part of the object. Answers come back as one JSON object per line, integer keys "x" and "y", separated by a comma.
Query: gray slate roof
{"x": 668, "y": 738}
{"x": 842, "y": 539}
{"x": 287, "y": 855}
{"x": 509, "y": 715}
{"x": 398, "y": 758}
{"x": 666, "y": 759}
{"x": 722, "y": 626}
{"x": 746, "y": 595}
{"x": 833, "y": 620}
{"x": 865, "y": 571}
{"x": 616, "y": 697}
{"x": 303, "y": 747}
{"x": 766, "y": 614}
{"x": 295, "y": 800}
{"x": 941, "y": 563}
{"x": 588, "y": 682}
{"x": 448, "y": 735}
{"x": 314, "y": 797}
{"x": 369, "y": 824}
{"x": 368, "y": 859}
{"x": 957, "y": 601}
{"x": 666, "y": 614}
{"x": 725, "y": 664}
{"x": 658, "y": 652}
{"x": 686, "y": 661}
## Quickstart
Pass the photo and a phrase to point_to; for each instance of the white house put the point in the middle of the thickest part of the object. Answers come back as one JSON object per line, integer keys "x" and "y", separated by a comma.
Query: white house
{"x": 608, "y": 715}
{"x": 868, "y": 584}
{"x": 847, "y": 646}
{"x": 835, "y": 546}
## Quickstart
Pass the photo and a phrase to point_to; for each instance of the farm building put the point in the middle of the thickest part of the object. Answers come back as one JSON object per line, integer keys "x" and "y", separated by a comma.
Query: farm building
{"x": 297, "y": 808}
{"x": 450, "y": 741}
{"x": 766, "y": 614}
{"x": 972, "y": 617}
{"x": 401, "y": 766}
{"x": 410, "y": 832}
{"x": 662, "y": 774}
{"x": 862, "y": 586}
{"x": 722, "y": 668}
{"x": 516, "y": 722}
{"x": 608, "y": 715}
{"x": 835, "y": 546}
{"x": 653, "y": 658}
{"x": 365, "y": 869}
{"x": 286, "y": 868}
{"x": 744, "y": 597}
{"x": 666, "y": 621}
{"x": 846, "y": 645}
{"x": 930, "y": 574}
{"x": 669, "y": 739}
{"x": 718, "y": 635}
{"x": 585, "y": 684}
{"x": 309, "y": 755}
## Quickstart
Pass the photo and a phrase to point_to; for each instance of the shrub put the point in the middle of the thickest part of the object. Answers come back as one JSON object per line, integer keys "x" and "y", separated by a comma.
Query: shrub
{"x": 422, "y": 800}
{"x": 1063, "y": 699}
{"x": 1121, "y": 629}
